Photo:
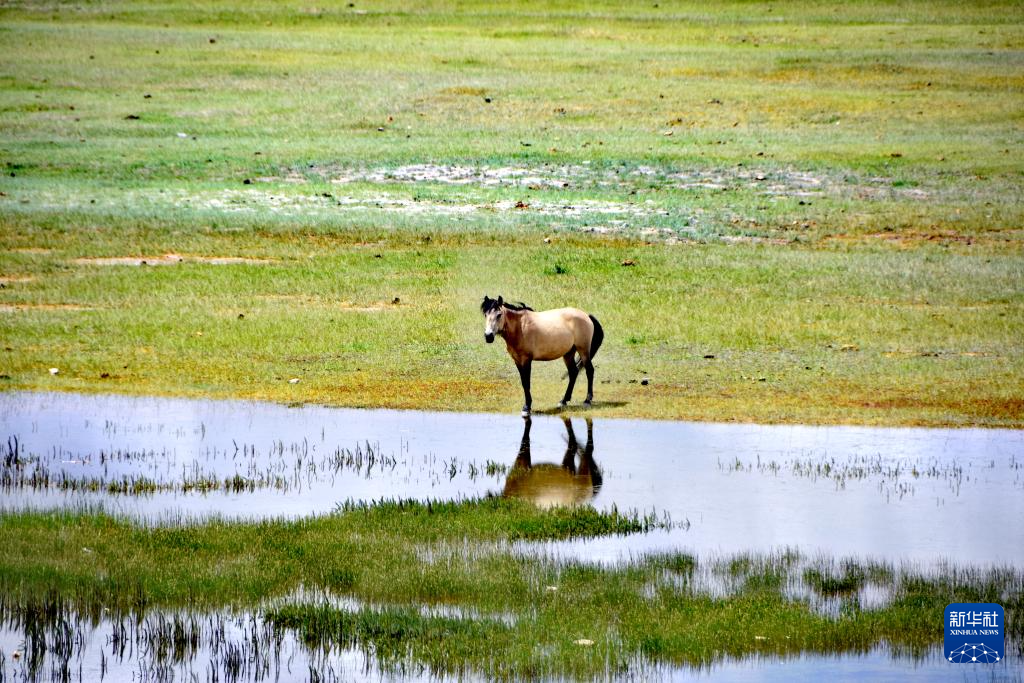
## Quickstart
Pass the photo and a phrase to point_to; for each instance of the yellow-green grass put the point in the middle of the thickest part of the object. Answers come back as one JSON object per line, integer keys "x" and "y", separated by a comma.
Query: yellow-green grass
{"x": 801, "y": 82}
{"x": 868, "y": 151}
{"x": 499, "y": 612}
{"x": 922, "y": 101}
{"x": 820, "y": 205}
{"x": 928, "y": 335}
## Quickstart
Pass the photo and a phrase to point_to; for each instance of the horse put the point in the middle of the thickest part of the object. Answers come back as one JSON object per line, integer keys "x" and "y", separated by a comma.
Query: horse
{"x": 546, "y": 335}
{"x": 548, "y": 485}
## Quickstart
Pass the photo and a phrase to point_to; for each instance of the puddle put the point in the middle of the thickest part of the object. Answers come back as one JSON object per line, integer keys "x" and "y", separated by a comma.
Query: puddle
{"x": 900, "y": 495}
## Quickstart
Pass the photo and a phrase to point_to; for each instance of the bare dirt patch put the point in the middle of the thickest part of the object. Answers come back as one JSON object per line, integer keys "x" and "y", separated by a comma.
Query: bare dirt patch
{"x": 752, "y": 239}
{"x": 167, "y": 260}
{"x": 371, "y": 308}
{"x": 252, "y": 200}
{"x": 31, "y": 250}
{"x": 766, "y": 181}
{"x": 228, "y": 260}
{"x": 907, "y": 239}
{"x": 487, "y": 176}
{"x": 16, "y": 308}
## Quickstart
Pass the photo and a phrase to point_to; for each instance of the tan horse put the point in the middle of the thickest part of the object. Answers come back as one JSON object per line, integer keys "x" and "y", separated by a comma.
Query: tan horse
{"x": 548, "y": 335}
{"x": 548, "y": 485}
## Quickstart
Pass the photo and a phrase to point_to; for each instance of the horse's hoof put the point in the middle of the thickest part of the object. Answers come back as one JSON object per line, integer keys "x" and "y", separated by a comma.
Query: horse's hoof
{"x": 562, "y": 404}
{"x": 589, "y": 402}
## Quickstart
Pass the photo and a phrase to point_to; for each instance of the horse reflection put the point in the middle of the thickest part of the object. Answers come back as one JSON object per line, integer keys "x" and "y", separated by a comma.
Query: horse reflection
{"x": 548, "y": 485}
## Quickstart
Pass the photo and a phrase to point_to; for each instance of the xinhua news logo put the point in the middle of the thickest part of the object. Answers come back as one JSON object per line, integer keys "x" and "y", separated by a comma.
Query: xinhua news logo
{"x": 974, "y": 633}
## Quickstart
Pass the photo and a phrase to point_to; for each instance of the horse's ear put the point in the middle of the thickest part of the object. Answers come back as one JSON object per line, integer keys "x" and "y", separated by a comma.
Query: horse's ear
{"x": 486, "y": 303}
{"x": 501, "y": 302}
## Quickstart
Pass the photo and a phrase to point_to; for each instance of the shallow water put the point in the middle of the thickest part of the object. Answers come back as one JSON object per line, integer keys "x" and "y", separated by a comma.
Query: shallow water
{"x": 176, "y": 646}
{"x": 917, "y": 495}
{"x": 876, "y": 665}
{"x": 243, "y": 647}
{"x": 903, "y": 495}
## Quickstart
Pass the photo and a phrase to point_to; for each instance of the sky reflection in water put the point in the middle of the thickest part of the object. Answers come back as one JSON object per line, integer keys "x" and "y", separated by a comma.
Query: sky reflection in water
{"x": 898, "y": 494}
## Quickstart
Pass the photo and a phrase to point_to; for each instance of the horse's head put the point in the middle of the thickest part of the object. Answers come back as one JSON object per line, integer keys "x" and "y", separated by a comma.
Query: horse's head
{"x": 494, "y": 317}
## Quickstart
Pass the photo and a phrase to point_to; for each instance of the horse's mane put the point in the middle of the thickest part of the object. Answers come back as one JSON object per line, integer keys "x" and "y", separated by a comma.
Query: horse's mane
{"x": 490, "y": 304}
{"x": 517, "y": 307}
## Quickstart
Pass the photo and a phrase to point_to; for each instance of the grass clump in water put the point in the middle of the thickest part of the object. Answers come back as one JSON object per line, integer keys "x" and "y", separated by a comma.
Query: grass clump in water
{"x": 441, "y": 587}
{"x": 849, "y": 579}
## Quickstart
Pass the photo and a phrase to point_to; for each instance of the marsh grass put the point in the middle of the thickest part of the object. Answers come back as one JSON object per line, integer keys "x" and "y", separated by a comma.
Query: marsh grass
{"x": 895, "y": 478}
{"x": 155, "y": 646}
{"x": 472, "y": 605}
{"x": 821, "y": 206}
{"x": 36, "y": 472}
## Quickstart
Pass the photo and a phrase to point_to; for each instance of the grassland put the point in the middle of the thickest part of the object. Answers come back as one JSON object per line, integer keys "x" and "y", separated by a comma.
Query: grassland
{"x": 781, "y": 212}
{"x": 439, "y": 586}
{"x": 827, "y": 200}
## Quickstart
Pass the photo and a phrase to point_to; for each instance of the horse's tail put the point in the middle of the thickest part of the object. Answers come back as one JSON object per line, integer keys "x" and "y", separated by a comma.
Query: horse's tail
{"x": 595, "y": 341}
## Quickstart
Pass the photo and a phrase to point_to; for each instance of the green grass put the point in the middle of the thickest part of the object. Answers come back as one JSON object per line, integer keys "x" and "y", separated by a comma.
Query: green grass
{"x": 835, "y": 216}
{"x": 820, "y": 203}
{"x": 870, "y": 335}
{"x": 504, "y": 613}
{"x": 219, "y": 563}
{"x": 804, "y": 82}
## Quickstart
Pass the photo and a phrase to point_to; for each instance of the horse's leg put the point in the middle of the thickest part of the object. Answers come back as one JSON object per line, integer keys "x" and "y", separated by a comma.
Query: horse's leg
{"x": 570, "y": 366}
{"x": 587, "y": 452}
{"x": 587, "y": 465}
{"x": 523, "y": 461}
{"x": 569, "y": 460}
{"x": 590, "y": 381}
{"x": 524, "y": 377}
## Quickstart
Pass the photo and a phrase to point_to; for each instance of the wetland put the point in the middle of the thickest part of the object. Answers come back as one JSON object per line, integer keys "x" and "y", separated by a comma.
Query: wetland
{"x": 405, "y": 544}
{"x": 249, "y": 430}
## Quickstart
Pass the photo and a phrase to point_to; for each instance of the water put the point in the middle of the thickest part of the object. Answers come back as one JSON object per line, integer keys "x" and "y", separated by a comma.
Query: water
{"x": 241, "y": 646}
{"x": 916, "y": 495}
{"x": 876, "y": 665}
{"x": 169, "y": 646}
